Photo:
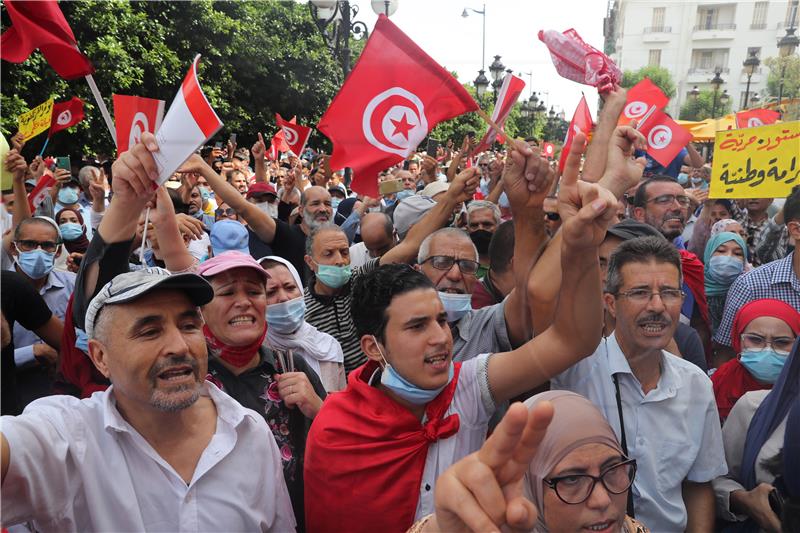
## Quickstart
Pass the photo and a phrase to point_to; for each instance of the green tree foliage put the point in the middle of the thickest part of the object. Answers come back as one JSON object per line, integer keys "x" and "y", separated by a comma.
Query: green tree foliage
{"x": 658, "y": 75}
{"x": 700, "y": 109}
{"x": 258, "y": 58}
{"x": 790, "y": 67}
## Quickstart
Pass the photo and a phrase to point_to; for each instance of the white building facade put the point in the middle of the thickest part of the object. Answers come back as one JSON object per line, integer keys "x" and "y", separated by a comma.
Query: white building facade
{"x": 694, "y": 39}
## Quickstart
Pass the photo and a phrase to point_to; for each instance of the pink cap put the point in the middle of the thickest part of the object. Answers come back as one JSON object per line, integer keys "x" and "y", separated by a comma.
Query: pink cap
{"x": 228, "y": 260}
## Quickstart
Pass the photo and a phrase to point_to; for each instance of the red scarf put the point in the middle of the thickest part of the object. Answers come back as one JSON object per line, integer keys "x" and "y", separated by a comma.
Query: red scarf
{"x": 365, "y": 456}
{"x": 730, "y": 382}
{"x": 237, "y": 356}
{"x": 693, "y": 276}
{"x": 75, "y": 366}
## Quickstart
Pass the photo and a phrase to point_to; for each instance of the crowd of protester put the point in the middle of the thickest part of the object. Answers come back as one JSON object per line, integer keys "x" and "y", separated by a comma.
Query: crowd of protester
{"x": 254, "y": 346}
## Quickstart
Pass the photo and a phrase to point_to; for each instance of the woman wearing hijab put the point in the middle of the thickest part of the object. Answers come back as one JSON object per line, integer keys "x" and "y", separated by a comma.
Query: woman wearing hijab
{"x": 288, "y": 330}
{"x": 763, "y": 333}
{"x": 724, "y": 260}
{"x": 755, "y": 431}
{"x": 241, "y": 365}
{"x": 73, "y": 230}
{"x": 570, "y": 475}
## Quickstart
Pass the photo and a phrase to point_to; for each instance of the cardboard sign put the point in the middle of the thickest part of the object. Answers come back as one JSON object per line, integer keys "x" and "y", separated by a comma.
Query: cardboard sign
{"x": 36, "y": 120}
{"x": 761, "y": 162}
{"x": 6, "y": 177}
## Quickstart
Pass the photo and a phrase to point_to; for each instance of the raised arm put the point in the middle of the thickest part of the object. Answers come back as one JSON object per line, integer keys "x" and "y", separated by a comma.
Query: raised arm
{"x": 258, "y": 150}
{"x": 587, "y": 209}
{"x": 173, "y": 252}
{"x": 461, "y": 189}
{"x": 16, "y": 164}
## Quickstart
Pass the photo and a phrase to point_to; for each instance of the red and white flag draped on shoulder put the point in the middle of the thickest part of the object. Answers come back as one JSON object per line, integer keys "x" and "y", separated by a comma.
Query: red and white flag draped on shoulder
{"x": 390, "y": 101}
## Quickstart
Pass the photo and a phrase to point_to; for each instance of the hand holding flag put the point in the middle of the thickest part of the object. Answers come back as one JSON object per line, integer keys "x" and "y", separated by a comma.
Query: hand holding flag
{"x": 506, "y": 98}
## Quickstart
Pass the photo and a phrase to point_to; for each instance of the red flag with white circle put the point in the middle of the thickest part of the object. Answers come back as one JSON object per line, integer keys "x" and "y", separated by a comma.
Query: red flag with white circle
{"x": 134, "y": 115}
{"x": 581, "y": 123}
{"x": 295, "y": 135}
{"x": 756, "y": 117}
{"x": 548, "y": 150}
{"x": 506, "y": 98}
{"x": 41, "y": 190}
{"x": 66, "y": 114}
{"x": 388, "y": 104}
{"x": 665, "y": 137}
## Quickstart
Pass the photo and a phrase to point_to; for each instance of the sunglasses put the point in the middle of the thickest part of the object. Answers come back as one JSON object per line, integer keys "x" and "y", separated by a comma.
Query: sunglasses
{"x": 225, "y": 211}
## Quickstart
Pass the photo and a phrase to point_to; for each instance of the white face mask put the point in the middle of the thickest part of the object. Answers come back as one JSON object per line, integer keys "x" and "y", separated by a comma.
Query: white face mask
{"x": 269, "y": 208}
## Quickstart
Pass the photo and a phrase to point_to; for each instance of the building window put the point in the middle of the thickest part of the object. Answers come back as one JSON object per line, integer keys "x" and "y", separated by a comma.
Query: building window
{"x": 791, "y": 14}
{"x": 707, "y": 18}
{"x": 655, "y": 58}
{"x": 658, "y": 18}
{"x": 709, "y": 60}
{"x": 759, "y": 16}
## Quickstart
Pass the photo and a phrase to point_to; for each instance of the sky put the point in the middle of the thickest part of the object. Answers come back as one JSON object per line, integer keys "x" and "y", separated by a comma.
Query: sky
{"x": 511, "y": 32}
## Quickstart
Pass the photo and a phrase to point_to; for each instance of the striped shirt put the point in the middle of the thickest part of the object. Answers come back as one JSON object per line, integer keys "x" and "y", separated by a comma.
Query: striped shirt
{"x": 331, "y": 315}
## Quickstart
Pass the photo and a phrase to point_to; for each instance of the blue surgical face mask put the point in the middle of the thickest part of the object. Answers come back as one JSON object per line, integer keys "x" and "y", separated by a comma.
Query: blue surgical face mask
{"x": 698, "y": 183}
{"x": 70, "y": 231}
{"x": 286, "y": 317}
{"x": 405, "y": 193}
{"x": 335, "y": 203}
{"x": 764, "y": 365}
{"x": 36, "y": 263}
{"x": 724, "y": 269}
{"x": 683, "y": 178}
{"x": 456, "y": 305}
{"x": 406, "y": 390}
{"x": 82, "y": 340}
{"x": 67, "y": 196}
{"x": 204, "y": 194}
{"x": 334, "y": 276}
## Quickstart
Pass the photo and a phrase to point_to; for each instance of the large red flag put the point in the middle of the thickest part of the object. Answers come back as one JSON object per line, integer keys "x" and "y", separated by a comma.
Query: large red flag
{"x": 294, "y": 135}
{"x": 134, "y": 115}
{"x": 41, "y": 24}
{"x": 506, "y": 98}
{"x": 581, "y": 123}
{"x": 756, "y": 117}
{"x": 66, "y": 114}
{"x": 642, "y": 100}
{"x": 390, "y": 101}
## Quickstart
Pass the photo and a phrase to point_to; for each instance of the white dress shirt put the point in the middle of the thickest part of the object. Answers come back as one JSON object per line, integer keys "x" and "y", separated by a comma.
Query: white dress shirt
{"x": 77, "y": 465}
{"x": 673, "y": 431}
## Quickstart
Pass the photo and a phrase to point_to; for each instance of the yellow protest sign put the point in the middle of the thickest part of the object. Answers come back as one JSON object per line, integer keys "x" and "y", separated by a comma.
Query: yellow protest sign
{"x": 761, "y": 162}
{"x": 36, "y": 120}
{"x": 6, "y": 177}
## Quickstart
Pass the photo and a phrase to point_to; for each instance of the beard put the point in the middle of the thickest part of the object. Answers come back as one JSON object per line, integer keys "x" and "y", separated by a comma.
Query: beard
{"x": 179, "y": 397}
{"x": 312, "y": 222}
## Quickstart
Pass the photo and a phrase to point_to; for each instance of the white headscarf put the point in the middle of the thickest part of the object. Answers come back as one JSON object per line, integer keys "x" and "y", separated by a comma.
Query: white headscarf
{"x": 310, "y": 343}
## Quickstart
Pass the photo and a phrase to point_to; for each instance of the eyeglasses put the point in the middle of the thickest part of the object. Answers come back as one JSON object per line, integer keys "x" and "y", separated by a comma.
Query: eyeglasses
{"x": 642, "y": 296}
{"x": 782, "y": 345}
{"x": 225, "y": 211}
{"x": 27, "y": 245}
{"x": 552, "y": 216}
{"x": 445, "y": 262}
{"x": 577, "y": 488}
{"x": 668, "y": 199}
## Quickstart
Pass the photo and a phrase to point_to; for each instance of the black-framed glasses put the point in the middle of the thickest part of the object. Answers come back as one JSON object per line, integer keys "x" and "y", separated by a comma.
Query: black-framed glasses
{"x": 225, "y": 211}
{"x": 642, "y": 296}
{"x": 576, "y": 488}
{"x": 753, "y": 341}
{"x": 28, "y": 245}
{"x": 668, "y": 199}
{"x": 552, "y": 216}
{"x": 446, "y": 262}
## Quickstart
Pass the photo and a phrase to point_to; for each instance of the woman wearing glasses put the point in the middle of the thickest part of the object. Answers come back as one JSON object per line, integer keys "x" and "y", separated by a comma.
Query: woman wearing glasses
{"x": 763, "y": 334}
{"x": 568, "y": 475}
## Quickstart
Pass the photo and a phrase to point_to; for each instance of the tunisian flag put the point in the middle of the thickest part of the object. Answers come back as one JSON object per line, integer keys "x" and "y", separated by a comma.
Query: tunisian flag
{"x": 42, "y": 189}
{"x": 581, "y": 123}
{"x": 390, "y": 101}
{"x": 506, "y": 98}
{"x": 66, "y": 114}
{"x": 548, "y": 150}
{"x": 134, "y": 115}
{"x": 756, "y": 117}
{"x": 41, "y": 24}
{"x": 295, "y": 135}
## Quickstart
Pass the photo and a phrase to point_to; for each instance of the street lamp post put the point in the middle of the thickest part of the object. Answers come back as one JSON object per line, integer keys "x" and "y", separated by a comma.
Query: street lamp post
{"x": 786, "y": 47}
{"x": 334, "y": 19}
{"x": 750, "y": 66}
{"x": 496, "y": 70}
{"x": 481, "y": 83}
{"x": 716, "y": 82}
{"x": 694, "y": 93}
{"x": 481, "y": 75}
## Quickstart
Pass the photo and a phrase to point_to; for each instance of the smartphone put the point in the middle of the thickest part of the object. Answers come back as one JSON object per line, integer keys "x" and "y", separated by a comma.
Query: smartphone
{"x": 390, "y": 187}
{"x": 63, "y": 162}
{"x": 233, "y": 138}
{"x": 218, "y": 145}
{"x": 433, "y": 146}
{"x": 406, "y": 164}
{"x": 471, "y": 135}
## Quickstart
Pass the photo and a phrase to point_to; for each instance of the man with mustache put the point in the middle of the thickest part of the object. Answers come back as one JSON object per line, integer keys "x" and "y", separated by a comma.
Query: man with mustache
{"x": 661, "y": 406}
{"x": 161, "y": 449}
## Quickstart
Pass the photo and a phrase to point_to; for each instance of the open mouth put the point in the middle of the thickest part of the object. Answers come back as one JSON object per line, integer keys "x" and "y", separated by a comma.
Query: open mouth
{"x": 242, "y": 321}
{"x": 438, "y": 361}
{"x": 451, "y": 290}
{"x": 653, "y": 328}
{"x": 601, "y": 526}
{"x": 176, "y": 374}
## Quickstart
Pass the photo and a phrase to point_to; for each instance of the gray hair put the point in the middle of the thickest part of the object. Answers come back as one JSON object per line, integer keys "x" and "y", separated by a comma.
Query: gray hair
{"x": 476, "y": 205}
{"x": 86, "y": 174}
{"x": 454, "y": 233}
{"x": 327, "y": 226}
{"x": 641, "y": 250}
{"x": 104, "y": 322}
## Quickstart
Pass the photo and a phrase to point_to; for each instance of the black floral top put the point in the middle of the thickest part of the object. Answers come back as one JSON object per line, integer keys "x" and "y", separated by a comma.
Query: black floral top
{"x": 257, "y": 389}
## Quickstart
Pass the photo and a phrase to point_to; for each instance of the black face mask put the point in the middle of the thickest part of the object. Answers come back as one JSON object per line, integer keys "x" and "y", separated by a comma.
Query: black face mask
{"x": 481, "y": 239}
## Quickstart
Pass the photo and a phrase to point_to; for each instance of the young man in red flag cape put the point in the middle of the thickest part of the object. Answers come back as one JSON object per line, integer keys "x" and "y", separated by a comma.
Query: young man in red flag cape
{"x": 376, "y": 449}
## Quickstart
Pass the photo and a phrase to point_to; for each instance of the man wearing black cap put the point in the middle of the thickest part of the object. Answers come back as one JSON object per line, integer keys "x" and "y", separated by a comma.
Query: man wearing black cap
{"x": 161, "y": 448}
